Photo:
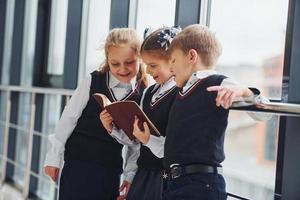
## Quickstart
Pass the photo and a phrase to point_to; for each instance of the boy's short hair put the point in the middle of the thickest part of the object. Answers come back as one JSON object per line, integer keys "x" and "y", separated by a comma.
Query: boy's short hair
{"x": 201, "y": 39}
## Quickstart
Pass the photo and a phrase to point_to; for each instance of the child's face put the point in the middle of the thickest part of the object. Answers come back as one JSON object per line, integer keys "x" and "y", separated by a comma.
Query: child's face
{"x": 180, "y": 67}
{"x": 158, "y": 68}
{"x": 123, "y": 62}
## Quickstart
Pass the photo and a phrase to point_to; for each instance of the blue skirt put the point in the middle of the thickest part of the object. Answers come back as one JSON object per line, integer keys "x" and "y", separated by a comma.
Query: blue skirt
{"x": 146, "y": 185}
{"x": 87, "y": 180}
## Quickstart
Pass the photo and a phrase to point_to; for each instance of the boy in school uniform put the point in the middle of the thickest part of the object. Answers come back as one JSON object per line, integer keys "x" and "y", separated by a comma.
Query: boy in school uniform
{"x": 194, "y": 143}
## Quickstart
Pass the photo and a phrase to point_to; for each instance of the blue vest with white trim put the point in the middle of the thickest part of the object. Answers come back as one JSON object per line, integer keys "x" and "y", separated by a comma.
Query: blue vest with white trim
{"x": 196, "y": 127}
{"x": 158, "y": 113}
{"x": 89, "y": 140}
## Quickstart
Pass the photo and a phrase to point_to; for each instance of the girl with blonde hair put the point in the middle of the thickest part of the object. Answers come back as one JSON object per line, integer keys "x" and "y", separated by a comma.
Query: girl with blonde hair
{"x": 92, "y": 159}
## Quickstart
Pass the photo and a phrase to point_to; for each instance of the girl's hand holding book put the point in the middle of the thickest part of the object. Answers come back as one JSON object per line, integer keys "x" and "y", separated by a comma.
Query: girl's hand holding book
{"x": 106, "y": 120}
{"x": 142, "y": 135}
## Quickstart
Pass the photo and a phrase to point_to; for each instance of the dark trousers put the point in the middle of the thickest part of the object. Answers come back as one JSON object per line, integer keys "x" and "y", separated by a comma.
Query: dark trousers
{"x": 200, "y": 186}
{"x": 86, "y": 180}
{"x": 146, "y": 185}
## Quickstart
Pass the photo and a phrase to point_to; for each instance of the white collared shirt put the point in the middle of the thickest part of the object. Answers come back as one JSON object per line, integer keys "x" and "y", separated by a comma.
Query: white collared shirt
{"x": 120, "y": 89}
{"x": 70, "y": 116}
{"x": 162, "y": 89}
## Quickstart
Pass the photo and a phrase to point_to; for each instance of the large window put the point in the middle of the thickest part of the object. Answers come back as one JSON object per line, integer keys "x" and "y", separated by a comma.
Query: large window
{"x": 57, "y": 45}
{"x": 52, "y": 106}
{"x": 252, "y": 40}
{"x": 154, "y": 14}
{"x": 25, "y": 99}
{"x": 22, "y": 128}
{"x": 97, "y": 30}
{"x": 253, "y": 49}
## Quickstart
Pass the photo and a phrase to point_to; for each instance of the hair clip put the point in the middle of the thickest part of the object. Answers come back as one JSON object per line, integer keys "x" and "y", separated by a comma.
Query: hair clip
{"x": 166, "y": 36}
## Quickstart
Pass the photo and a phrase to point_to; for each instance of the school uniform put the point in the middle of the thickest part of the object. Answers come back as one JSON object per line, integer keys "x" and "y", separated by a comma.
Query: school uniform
{"x": 156, "y": 103}
{"x": 194, "y": 143}
{"x": 93, "y": 159}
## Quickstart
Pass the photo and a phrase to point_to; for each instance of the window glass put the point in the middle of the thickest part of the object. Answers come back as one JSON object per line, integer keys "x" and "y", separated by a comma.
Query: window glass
{"x": 52, "y": 111}
{"x": 155, "y": 14}
{"x": 253, "y": 47}
{"x": 98, "y": 27}
{"x": 57, "y": 42}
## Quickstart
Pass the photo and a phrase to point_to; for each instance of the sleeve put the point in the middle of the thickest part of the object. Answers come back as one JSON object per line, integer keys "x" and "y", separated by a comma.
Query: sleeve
{"x": 121, "y": 137}
{"x": 156, "y": 145}
{"x": 67, "y": 123}
{"x": 247, "y": 101}
{"x": 130, "y": 165}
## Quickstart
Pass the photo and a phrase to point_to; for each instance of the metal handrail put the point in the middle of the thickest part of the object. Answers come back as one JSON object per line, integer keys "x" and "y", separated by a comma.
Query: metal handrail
{"x": 37, "y": 90}
{"x": 276, "y": 108}
{"x": 8, "y": 89}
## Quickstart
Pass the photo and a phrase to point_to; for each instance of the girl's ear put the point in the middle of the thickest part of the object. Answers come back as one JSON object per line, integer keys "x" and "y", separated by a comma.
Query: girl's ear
{"x": 192, "y": 55}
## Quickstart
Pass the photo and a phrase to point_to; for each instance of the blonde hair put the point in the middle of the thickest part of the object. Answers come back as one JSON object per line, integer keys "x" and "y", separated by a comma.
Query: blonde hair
{"x": 118, "y": 37}
{"x": 201, "y": 39}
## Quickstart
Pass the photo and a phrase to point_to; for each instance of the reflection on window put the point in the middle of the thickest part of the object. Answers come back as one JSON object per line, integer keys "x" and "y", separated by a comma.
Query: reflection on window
{"x": 253, "y": 49}
{"x": 155, "y": 14}
{"x": 58, "y": 27}
{"x": 250, "y": 149}
{"x": 253, "y": 45}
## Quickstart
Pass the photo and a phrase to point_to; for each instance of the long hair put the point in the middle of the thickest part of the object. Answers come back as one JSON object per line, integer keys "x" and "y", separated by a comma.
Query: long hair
{"x": 123, "y": 36}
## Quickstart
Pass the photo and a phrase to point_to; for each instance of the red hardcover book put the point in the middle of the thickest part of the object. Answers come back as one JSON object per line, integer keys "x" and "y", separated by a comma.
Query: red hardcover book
{"x": 123, "y": 113}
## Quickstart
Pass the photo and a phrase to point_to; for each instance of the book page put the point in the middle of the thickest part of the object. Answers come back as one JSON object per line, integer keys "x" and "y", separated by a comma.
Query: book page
{"x": 102, "y": 99}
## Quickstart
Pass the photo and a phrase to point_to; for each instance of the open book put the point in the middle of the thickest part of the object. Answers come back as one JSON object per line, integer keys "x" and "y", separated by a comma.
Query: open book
{"x": 123, "y": 113}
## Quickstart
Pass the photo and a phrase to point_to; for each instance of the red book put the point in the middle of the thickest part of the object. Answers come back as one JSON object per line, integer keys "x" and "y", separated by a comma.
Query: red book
{"x": 123, "y": 113}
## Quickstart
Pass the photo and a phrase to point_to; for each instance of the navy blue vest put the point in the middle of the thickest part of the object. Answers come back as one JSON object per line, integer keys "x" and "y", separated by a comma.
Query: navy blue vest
{"x": 196, "y": 127}
{"x": 158, "y": 113}
{"x": 89, "y": 140}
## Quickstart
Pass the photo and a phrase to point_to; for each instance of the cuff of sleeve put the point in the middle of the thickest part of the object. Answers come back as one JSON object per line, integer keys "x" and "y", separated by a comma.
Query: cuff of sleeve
{"x": 54, "y": 156}
{"x": 151, "y": 142}
{"x": 53, "y": 161}
{"x": 115, "y": 132}
{"x": 255, "y": 91}
{"x": 129, "y": 177}
{"x": 260, "y": 99}
{"x": 257, "y": 98}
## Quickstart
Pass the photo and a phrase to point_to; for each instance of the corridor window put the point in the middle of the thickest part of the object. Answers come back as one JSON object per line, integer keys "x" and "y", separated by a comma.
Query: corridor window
{"x": 58, "y": 29}
{"x": 155, "y": 14}
{"x": 97, "y": 30}
{"x": 253, "y": 51}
